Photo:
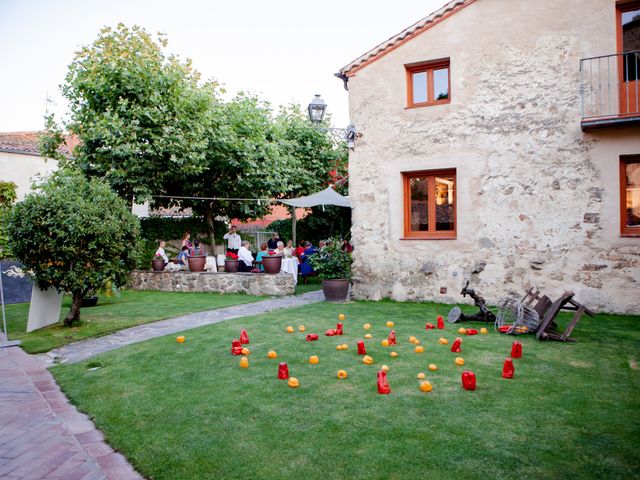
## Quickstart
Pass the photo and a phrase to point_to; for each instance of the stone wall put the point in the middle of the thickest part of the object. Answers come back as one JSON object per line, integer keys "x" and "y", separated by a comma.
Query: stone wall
{"x": 537, "y": 199}
{"x": 250, "y": 283}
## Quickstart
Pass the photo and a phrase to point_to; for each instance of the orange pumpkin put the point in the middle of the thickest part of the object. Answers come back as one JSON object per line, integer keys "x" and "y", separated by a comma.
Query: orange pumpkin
{"x": 366, "y": 326}
{"x": 272, "y": 354}
{"x": 313, "y": 359}
{"x": 180, "y": 339}
{"x": 419, "y": 349}
{"x": 342, "y": 374}
{"x": 245, "y": 351}
{"x": 339, "y": 347}
{"x": 367, "y": 360}
{"x": 421, "y": 376}
{"x": 433, "y": 367}
{"x": 425, "y": 386}
{"x": 302, "y": 328}
{"x": 484, "y": 331}
{"x": 394, "y": 354}
{"x": 416, "y": 342}
{"x": 293, "y": 382}
{"x": 459, "y": 361}
{"x": 345, "y": 346}
{"x": 462, "y": 331}
{"x": 368, "y": 335}
{"x": 244, "y": 362}
{"x": 384, "y": 368}
{"x": 289, "y": 329}
{"x": 443, "y": 341}
{"x": 384, "y": 343}
{"x": 390, "y": 324}
{"x": 412, "y": 339}
{"x": 341, "y": 317}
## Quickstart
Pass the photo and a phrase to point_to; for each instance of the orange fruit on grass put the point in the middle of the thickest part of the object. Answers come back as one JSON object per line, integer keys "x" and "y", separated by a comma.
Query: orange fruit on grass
{"x": 484, "y": 331}
{"x": 302, "y": 328}
{"x": 419, "y": 349}
{"x": 394, "y": 354}
{"x": 412, "y": 339}
{"x": 459, "y": 361}
{"x": 245, "y": 351}
{"x": 313, "y": 359}
{"x": 425, "y": 386}
{"x": 384, "y": 368}
{"x": 244, "y": 362}
{"x": 368, "y": 336}
{"x": 289, "y": 329}
{"x": 390, "y": 324}
{"x": 180, "y": 339}
{"x": 366, "y": 326}
{"x": 342, "y": 374}
{"x": 462, "y": 330}
{"x": 272, "y": 354}
{"x": 433, "y": 367}
{"x": 421, "y": 376}
{"x": 367, "y": 360}
{"x": 341, "y": 317}
{"x": 293, "y": 382}
{"x": 384, "y": 343}
{"x": 443, "y": 341}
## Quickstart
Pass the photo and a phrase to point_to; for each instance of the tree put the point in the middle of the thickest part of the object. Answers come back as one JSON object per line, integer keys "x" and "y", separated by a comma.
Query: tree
{"x": 74, "y": 235}
{"x": 136, "y": 112}
{"x": 7, "y": 197}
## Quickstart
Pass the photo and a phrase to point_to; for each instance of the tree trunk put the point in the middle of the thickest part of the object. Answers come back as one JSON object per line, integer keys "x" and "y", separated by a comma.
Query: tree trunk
{"x": 292, "y": 211}
{"x": 73, "y": 316}
{"x": 209, "y": 217}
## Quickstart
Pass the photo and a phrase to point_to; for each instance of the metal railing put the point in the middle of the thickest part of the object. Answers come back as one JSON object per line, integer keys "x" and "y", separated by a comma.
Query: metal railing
{"x": 610, "y": 85}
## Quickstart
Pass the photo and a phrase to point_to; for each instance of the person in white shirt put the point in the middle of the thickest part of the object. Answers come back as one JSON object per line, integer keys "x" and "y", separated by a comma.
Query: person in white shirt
{"x": 233, "y": 240}
{"x": 245, "y": 257}
{"x": 160, "y": 252}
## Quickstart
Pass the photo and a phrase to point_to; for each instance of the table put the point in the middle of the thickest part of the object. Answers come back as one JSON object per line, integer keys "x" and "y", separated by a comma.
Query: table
{"x": 290, "y": 265}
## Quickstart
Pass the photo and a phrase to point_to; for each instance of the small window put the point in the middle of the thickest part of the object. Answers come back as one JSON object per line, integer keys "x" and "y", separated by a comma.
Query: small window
{"x": 630, "y": 195}
{"x": 430, "y": 204}
{"x": 428, "y": 83}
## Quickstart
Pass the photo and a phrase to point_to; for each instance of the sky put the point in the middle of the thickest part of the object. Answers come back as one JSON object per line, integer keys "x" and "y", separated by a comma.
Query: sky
{"x": 283, "y": 51}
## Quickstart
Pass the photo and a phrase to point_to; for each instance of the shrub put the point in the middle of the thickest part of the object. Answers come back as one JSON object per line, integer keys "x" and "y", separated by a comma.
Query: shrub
{"x": 331, "y": 261}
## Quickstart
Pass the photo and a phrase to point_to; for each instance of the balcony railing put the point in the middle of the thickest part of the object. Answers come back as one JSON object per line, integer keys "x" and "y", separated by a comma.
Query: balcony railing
{"x": 610, "y": 89}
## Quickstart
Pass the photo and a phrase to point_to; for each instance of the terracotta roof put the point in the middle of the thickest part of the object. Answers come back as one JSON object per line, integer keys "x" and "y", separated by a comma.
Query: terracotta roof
{"x": 27, "y": 143}
{"x": 407, "y": 34}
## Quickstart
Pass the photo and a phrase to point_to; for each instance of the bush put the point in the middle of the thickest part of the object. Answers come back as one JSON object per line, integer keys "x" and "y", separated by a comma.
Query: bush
{"x": 165, "y": 228}
{"x": 331, "y": 261}
{"x": 318, "y": 225}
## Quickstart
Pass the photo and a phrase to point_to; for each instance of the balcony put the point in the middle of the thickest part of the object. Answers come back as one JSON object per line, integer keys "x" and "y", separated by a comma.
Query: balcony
{"x": 610, "y": 90}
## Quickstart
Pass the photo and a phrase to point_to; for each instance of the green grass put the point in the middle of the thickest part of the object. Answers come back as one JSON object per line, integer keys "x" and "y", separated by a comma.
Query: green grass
{"x": 187, "y": 411}
{"x": 313, "y": 283}
{"x": 114, "y": 313}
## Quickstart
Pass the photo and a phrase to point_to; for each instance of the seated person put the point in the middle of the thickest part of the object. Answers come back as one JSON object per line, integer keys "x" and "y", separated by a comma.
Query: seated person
{"x": 289, "y": 250}
{"x": 280, "y": 248}
{"x": 182, "y": 257}
{"x": 245, "y": 257}
{"x": 300, "y": 248}
{"x": 305, "y": 267}
{"x": 262, "y": 253}
{"x": 161, "y": 253}
{"x": 197, "y": 249}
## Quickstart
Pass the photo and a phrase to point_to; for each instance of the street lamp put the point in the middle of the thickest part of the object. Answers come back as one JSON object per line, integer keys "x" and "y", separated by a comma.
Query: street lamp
{"x": 317, "y": 108}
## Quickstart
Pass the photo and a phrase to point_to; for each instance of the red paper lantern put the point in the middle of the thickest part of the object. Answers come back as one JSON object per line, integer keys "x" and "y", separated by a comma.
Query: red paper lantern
{"x": 457, "y": 346}
{"x": 312, "y": 337}
{"x": 283, "y": 371}
{"x": 361, "y": 348}
{"x": 471, "y": 331}
{"x": 516, "y": 350}
{"x": 468, "y": 380}
{"x": 338, "y": 328}
{"x": 440, "y": 322}
{"x": 392, "y": 337}
{"x": 508, "y": 369}
{"x": 244, "y": 338}
{"x": 429, "y": 326}
{"x": 383, "y": 384}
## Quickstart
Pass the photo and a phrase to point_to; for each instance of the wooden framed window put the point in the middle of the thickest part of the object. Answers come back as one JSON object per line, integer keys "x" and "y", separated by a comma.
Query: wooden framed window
{"x": 630, "y": 195}
{"x": 430, "y": 204}
{"x": 428, "y": 83}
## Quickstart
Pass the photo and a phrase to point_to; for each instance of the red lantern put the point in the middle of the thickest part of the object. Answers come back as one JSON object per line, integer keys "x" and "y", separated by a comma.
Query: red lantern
{"x": 236, "y": 347}
{"x": 392, "y": 337}
{"x": 429, "y": 326}
{"x": 471, "y": 331}
{"x": 440, "y": 322}
{"x": 383, "y": 384}
{"x": 361, "y": 348}
{"x": 312, "y": 337}
{"x": 507, "y": 369}
{"x": 468, "y": 380}
{"x": 338, "y": 328}
{"x": 456, "y": 347}
{"x": 244, "y": 338}
{"x": 283, "y": 371}
{"x": 330, "y": 332}
{"x": 516, "y": 350}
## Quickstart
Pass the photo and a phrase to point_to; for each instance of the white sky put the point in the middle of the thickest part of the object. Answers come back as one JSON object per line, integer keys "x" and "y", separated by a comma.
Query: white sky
{"x": 284, "y": 50}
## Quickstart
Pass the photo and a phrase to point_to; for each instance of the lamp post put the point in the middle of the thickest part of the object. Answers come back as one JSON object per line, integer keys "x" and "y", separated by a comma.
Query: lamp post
{"x": 317, "y": 108}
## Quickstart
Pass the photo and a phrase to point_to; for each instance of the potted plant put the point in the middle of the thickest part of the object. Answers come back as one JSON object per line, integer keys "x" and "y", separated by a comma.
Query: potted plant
{"x": 196, "y": 262}
{"x": 231, "y": 263}
{"x": 157, "y": 263}
{"x": 272, "y": 263}
{"x": 333, "y": 266}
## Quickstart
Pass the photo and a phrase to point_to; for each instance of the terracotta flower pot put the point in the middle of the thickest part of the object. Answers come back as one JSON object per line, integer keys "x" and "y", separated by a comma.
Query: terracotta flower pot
{"x": 231, "y": 266}
{"x": 272, "y": 263}
{"x": 157, "y": 265}
{"x": 335, "y": 289}
{"x": 197, "y": 262}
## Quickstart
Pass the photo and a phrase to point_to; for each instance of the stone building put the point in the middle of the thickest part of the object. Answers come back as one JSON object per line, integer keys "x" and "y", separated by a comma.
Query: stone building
{"x": 495, "y": 148}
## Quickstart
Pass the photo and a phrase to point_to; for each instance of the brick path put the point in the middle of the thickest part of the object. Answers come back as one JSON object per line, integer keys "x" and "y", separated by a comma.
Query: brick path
{"x": 42, "y": 436}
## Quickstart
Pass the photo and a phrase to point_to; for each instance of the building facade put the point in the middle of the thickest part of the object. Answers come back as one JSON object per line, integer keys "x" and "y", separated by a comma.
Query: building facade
{"x": 500, "y": 144}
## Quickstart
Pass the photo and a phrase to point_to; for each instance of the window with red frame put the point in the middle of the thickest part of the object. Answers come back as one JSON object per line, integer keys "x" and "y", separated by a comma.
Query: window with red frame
{"x": 428, "y": 83}
{"x": 430, "y": 204}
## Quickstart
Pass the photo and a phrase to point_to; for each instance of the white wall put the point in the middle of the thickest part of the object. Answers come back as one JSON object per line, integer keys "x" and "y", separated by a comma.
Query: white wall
{"x": 24, "y": 170}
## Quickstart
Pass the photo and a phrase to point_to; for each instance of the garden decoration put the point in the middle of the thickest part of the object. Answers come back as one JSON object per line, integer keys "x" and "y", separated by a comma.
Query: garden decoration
{"x": 456, "y": 347}
{"x": 462, "y": 330}
{"x": 245, "y": 351}
{"x": 312, "y": 337}
{"x": 429, "y": 326}
{"x": 244, "y": 338}
{"x": 236, "y": 347}
{"x": 468, "y": 380}
{"x": 383, "y": 384}
{"x": 366, "y": 326}
{"x": 426, "y": 386}
{"x": 433, "y": 367}
{"x": 231, "y": 263}
{"x": 272, "y": 263}
{"x": 244, "y": 362}
{"x": 508, "y": 369}
{"x": 483, "y": 315}
{"x": 412, "y": 339}
{"x": 289, "y": 329}
{"x": 390, "y": 324}
{"x": 361, "y": 348}
{"x": 440, "y": 322}
{"x": 392, "y": 337}
{"x": 368, "y": 336}
{"x": 484, "y": 331}
{"x": 334, "y": 331}
{"x": 339, "y": 328}
{"x": 157, "y": 264}
{"x": 293, "y": 382}
{"x": 367, "y": 360}
{"x": 272, "y": 354}
{"x": 443, "y": 341}
{"x": 516, "y": 350}
{"x": 393, "y": 354}
{"x": 419, "y": 349}
{"x": 421, "y": 376}
{"x": 459, "y": 361}
{"x": 384, "y": 343}
{"x": 342, "y": 374}
{"x": 471, "y": 331}
{"x": 283, "y": 371}
{"x": 341, "y": 317}
{"x": 313, "y": 359}
{"x": 416, "y": 342}
{"x": 384, "y": 368}
{"x": 302, "y": 328}
{"x": 180, "y": 339}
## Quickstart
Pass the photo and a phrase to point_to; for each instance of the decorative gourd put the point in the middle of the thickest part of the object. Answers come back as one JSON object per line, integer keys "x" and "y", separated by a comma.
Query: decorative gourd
{"x": 383, "y": 384}
{"x": 390, "y": 324}
{"x": 244, "y": 362}
{"x": 384, "y": 368}
{"x": 416, "y": 342}
{"x": 293, "y": 382}
{"x": 366, "y": 326}
{"x": 412, "y": 339}
{"x": 342, "y": 374}
{"x": 368, "y": 336}
{"x": 302, "y": 328}
{"x": 440, "y": 322}
{"x": 421, "y": 376}
{"x": 462, "y": 330}
{"x": 419, "y": 349}
{"x": 508, "y": 369}
{"x": 459, "y": 361}
{"x": 443, "y": 341}
{"x": 339, "y": 347}
{"x": 272, "y": 354}
{"x": 289, "y": 329}
{"x": 433, "y": 367}
{"x": 341, "y": 317}
{"x": 180, "y": 339}
{"x": 313, "y": 359}
{"x": 457, "y": 345}
{"x": 244, "y": 338}
{"x": 367, "y": 360}
{"x": 384, "y": 343}
{"x": 245, "y": 351}
{"x": 425, "y": 386}
{"x": 345, "y": 346}
{"x": 484, "y": 331}
{"x": 394, "y": 354}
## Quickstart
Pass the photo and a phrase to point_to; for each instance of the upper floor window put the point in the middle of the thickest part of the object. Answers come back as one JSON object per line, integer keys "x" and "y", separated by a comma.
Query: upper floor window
{"x": 430, "y": 204}
{"x": 428, "y": 83}
{"x": 630, "y": 195}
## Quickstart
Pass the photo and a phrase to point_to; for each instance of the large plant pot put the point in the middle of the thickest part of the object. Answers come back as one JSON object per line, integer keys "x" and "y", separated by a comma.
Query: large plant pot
{"x": 272, "y": 264}
{"x": 335, "y": 290}
{"x": 197, "y": 262}
{"x": 89, "y": 301}
{"x": 231, "y": 266}
{"x": 157, "y": 265}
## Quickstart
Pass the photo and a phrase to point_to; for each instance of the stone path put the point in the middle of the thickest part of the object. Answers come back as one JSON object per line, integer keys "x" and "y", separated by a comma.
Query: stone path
{"x": 79, "y": 351}
{"x": 42, "y": 436}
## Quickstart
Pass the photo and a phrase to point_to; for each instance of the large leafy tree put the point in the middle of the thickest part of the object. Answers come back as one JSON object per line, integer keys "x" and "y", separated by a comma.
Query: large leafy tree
{"x": 74, "y": 235}
{"x": 136, "y": 112}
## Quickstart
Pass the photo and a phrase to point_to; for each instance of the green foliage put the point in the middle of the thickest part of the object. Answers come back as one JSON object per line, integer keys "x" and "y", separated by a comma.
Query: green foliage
{"x": 145, "y": 253}
{"x": 7, "y": 197}
{"x": 74, "y": 235}
{"x": 163, "y": 228}
{"x": 136, "y": 111}
{"x": 331, "y": 262}
{"x": 318, "y": 225}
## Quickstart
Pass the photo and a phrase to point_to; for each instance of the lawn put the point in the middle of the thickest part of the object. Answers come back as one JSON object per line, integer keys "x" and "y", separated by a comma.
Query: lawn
{"x": 187, "y": 411}
{"x": 128, "y": 309}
